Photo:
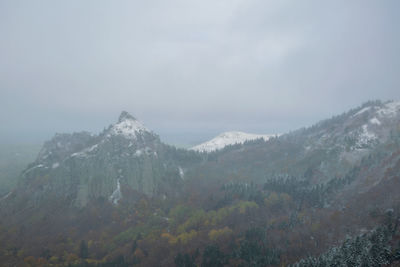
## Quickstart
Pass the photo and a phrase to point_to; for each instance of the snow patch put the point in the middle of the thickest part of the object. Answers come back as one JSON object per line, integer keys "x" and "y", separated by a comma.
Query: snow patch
{"x": 146, "y": 150}
{"x": 389, "y": 109}
{"x": 129, "y": 128}
{"x": 229, "y": 138}
{"x": 374, "y": 120}
{"x": 116, "y": 195}
{"x": 138, "y": 153}
{"x": 34, "y": 167}
{"x": 365, "y": 137}
{"x": 55, "y": 165}
{"x": 362, "y": 111}
{"x": 181, "y": 172}
{"x": 84, "y": 152}
{"x": 46, "y": 155}
{"x": 90, "y": 149}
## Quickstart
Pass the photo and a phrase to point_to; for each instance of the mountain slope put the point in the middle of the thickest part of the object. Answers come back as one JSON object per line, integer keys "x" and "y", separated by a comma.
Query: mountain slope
{"x": 229, "y": 138}
{"x": 327, "y": 150}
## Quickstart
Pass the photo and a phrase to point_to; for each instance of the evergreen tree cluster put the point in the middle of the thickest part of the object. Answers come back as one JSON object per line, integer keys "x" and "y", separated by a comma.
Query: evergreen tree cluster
{"x": 301, "y": 189}
{"x": 243, "y": 191}
{"x": 371, "y": 249}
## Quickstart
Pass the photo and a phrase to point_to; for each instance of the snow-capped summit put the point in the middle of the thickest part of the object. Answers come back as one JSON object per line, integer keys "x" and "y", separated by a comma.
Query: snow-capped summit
{"x": 128, "y": 126}
{"x": 229, "y": 138}
{"x": 357, "y": 132}
{"x": 375, "y": 120}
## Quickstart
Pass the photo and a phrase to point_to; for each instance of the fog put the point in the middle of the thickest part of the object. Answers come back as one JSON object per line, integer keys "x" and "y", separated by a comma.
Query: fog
{"x": 191, "y": 69}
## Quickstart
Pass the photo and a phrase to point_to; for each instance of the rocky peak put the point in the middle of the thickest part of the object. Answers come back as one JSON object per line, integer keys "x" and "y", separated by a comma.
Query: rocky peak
{"x": 125, "y": 116}
{"x": 128, "y": 127}
{"x": 63, "y": 145}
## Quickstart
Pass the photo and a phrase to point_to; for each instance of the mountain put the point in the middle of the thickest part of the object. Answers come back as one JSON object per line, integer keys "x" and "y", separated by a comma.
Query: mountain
{"x": 324, "y": 151}
{"x": 82, "y": 166}
{"x": 128, "y": 157}
{"x": 123, "y": 198}
{"x": 229, "y": 138}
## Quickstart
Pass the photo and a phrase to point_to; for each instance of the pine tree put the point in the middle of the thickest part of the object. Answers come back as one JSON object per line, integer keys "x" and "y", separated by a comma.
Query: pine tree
{"x": 83, "y": 250}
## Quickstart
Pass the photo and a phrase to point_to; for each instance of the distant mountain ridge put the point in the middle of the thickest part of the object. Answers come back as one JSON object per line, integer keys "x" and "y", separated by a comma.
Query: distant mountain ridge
{"x": 128, "y": 156}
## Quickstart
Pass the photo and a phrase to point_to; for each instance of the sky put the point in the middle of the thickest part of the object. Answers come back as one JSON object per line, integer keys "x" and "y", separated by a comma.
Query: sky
{"x": 192, "y": 69}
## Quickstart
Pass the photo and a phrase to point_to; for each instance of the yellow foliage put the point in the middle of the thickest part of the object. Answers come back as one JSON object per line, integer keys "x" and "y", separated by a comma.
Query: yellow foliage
{"x": 301, "y": 215}
{"x": 72, "y": 257}
{"x": 217, "y": 216}
{"x": 166, "y": 235}
{"x": 214, "y": 234}
{"x": 201, "y": 218}
{"x": 172, "y": 240}
{"x": 92, "y": 261}
{"x": 315, "y": 227}
{"x": 53, "y": 259}
{"x": 30, "y": 261}
{"x": 20, "y": 253}
{"x": 244, "y": 205}
{"x": 197, "y": 219}
{"x": 186, "y": 237}
{"x": 271, "y": 200}
{"x": 272, "y": 221}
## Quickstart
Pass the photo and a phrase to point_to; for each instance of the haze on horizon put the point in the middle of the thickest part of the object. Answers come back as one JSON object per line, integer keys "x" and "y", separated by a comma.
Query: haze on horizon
{"x": 191, "y": 69}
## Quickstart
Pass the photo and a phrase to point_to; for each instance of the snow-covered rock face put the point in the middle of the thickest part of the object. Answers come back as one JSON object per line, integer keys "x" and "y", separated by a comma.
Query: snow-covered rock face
{"x": 362, "y": 111}
{"x": 390, "y": 109}
{"x": 85, "y": 145}
{"x": 116, "y": 195}
{"x": 375, "y": 121}
{"x": 229, "y": 138}
{"x": 128, "y": 126}
{"x": 181, "y": 173}
{"x": 366, "y": 137}
{"x": 85, "y": 152}
{"x": 378, "y": 116}
{"x": 386, "y": 110}
{"x": 362, "y": 131}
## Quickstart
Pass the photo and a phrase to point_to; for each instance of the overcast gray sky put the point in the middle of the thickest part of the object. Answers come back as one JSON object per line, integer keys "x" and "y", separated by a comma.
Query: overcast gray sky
{"x": 190, "y": 69}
